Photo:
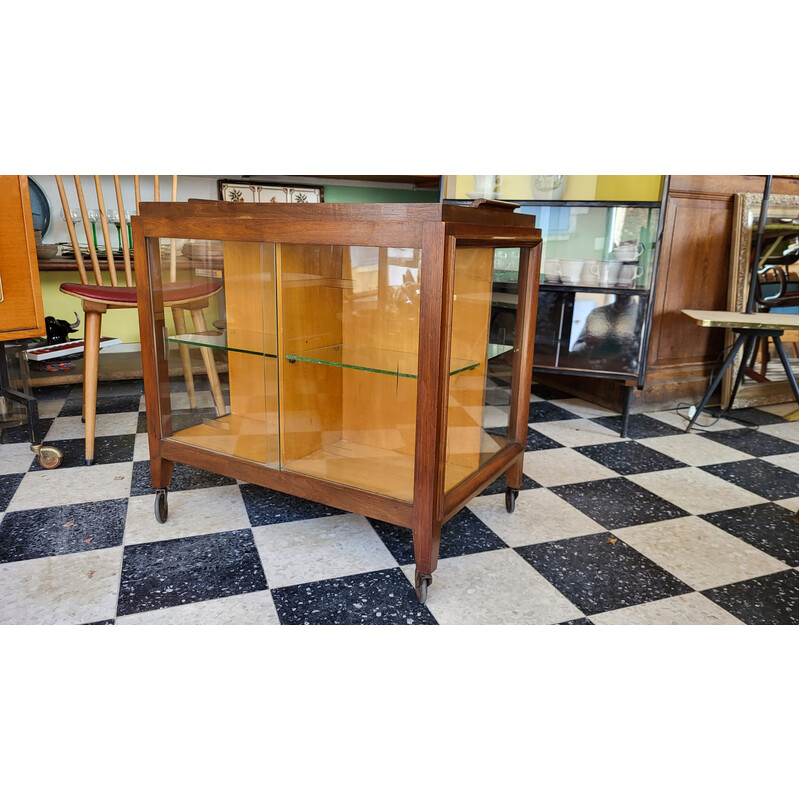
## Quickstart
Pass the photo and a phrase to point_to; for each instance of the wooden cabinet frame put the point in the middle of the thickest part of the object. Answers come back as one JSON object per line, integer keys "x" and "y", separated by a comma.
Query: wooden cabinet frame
{"x": 436, "y": 230}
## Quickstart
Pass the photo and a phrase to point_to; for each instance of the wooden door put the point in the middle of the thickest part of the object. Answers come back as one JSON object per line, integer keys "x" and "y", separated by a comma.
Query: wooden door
{"x": 21, "y": 314}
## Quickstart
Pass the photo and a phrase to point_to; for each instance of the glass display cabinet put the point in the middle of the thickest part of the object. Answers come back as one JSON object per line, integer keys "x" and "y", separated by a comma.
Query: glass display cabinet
{"x": 353, "y": 353}
{"x": 599, "y": 263}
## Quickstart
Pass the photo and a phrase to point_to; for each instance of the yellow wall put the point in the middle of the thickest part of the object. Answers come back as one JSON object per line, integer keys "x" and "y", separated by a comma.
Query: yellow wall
{"x": 578, "y": 187}
{"x": 120, "y": 323}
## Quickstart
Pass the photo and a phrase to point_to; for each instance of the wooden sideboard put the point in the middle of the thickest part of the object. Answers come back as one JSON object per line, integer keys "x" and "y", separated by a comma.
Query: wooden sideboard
{"x": 21, "y": 313}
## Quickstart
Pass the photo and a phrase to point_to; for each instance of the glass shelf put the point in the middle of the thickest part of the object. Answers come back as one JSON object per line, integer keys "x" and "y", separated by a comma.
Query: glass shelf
{"x": 384, "y": 362}
{"x": 253, "y": 342}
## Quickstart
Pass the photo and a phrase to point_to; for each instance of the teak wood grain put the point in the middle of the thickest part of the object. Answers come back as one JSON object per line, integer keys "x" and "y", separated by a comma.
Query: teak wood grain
{"x": 367, "y": 445}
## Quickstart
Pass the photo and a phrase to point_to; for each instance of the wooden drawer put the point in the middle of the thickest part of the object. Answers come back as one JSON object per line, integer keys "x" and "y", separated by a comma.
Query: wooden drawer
{"x": 21, "y": 314}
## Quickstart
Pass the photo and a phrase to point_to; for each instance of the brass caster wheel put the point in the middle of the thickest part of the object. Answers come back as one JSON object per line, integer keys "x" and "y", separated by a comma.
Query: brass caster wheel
{"x": 421, "y": 584}
{"x": 511, "y": 499}
{"x": 161, "y": 505}
{"x": 49, "y": 457}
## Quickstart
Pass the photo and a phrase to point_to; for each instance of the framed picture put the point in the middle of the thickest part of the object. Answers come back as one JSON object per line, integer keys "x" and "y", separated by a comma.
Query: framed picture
{"x": 237, "y": 191}
{"x": 781, "y": 232}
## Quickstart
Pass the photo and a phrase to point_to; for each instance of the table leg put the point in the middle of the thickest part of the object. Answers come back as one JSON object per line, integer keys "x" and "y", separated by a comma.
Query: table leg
{"x": 786, "y": 366}
{"x": 711, "y": 389}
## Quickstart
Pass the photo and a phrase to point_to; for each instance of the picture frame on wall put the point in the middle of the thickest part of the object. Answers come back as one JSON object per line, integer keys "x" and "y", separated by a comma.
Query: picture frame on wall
{"x": 239, "y": 191}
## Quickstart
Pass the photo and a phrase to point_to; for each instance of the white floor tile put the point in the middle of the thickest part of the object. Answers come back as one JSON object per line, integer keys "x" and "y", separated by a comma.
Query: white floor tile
{"x": 699, "y": 553}
{"x": 15, "y": 458}
{"x": 69, "y": 486}
{"x": 70, "y": 589}
{"x": 106, "y": 425}
{"x": 256, "y": 608}
{"x": 141, "y": 448}
{"x": 783, "y": 430}
{"x": 494, "y": 588}
{"x": 557, "y": 467}
{"x": 539, "y": 516}
{"x": 686, "y": 609}
{"x": 785, "y": 460}
{"x": 577, "y": 432}
{"x": 680, "y": 419}
{"x": 191, "y": 513}
{"x": 695, "y": 491}
{"x": 584, "y": 408}
{"x": 696, "y": 451}
{"x": 313, "y": 550}
{"x": 790, "y": 503}
{"x": 50, "y": 408}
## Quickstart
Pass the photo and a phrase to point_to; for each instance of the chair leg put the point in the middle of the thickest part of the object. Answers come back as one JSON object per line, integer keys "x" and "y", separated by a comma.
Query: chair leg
{"x": 179, "y": 317}
{"x": 199, "y": 320}
{"x": 91, "y": 359}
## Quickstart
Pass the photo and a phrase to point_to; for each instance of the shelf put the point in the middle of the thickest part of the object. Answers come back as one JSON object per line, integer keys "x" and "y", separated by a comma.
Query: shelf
{"x": 383, "y": 362}
{"x": 593, "y": 289}
{"x": 252, "y": 342}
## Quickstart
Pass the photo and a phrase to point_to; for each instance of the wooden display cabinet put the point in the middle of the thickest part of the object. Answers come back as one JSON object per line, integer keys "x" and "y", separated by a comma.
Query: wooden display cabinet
{"x": 356, "y": 336}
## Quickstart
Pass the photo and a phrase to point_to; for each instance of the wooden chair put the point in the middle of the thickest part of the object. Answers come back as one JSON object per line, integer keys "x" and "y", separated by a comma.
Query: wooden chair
{"x": 180, "y": 296}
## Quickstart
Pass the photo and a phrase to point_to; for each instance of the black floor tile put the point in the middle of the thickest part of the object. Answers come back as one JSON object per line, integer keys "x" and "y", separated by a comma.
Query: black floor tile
{"x": 768, "y": 600}
{"x": 752, "y": 416}
{"x": 267, "y": 507}
{"x": 640, "y": 426}
{"x": 542, "y": 411}
{"x": 769, "y": 527}
{"x": 183, "y": 477}
{"x": 178, "y": 571}
{"x": 498, "y": 486}
{"x": 600, "y": 573}
{"x": 20, "y": 433}
{"x": 538, "y": 441}
{"x": 579, "y": 621}
{"x": 384, "y": 597}
{"x": 617, "y": 502}
{"x": 8, "y": 486}
{"x": 141, "y": 425}
{"x": 101, "y": 622}
{"x": 629, "y": 457}
{"x": 548, "y": 392}
{"x": 461, "y": 535}
{"x": 57, "y": 530}
{"x": 111, "y": 388}
{"x": 61, "y": 392}
{"x": 761, "y": 477}
{"x": 497, "y": 397}
{"x": 73, "y": 406}
{"x": 107, "y": 450}
{"x": 754, "y": 443}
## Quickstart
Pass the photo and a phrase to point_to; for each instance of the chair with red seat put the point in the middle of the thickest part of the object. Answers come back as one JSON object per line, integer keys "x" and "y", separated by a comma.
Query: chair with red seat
{"x": 96, "y": 298}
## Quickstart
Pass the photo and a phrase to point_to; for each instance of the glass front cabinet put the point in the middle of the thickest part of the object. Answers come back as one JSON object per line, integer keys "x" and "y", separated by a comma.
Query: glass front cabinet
{"x": 341, "y": 353}
{"x": 598, "y": 271}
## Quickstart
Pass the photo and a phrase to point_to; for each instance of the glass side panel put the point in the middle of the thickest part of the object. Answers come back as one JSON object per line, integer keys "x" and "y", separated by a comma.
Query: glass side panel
{"x": 478, "y": 401}
{"x": 347, "y": 357}
{"x": 220, "y": 311}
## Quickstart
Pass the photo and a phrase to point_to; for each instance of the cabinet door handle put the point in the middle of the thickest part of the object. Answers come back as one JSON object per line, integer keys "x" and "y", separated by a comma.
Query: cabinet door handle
{"x": 165, "y": 341}
{"x": 2, "y": 294}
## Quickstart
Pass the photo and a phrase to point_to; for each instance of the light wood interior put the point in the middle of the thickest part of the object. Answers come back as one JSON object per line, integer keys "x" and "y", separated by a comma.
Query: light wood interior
{"x": 348, "y": 426}
{"x": 472, "y": 296}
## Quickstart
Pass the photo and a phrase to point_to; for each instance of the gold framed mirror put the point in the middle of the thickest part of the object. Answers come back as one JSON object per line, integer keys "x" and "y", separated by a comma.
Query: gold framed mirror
{"x": 780, "y": 238}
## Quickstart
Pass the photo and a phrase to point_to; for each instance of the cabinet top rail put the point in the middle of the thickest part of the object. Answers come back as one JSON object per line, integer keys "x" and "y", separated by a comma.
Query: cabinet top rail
{"x": 342, "y": 212}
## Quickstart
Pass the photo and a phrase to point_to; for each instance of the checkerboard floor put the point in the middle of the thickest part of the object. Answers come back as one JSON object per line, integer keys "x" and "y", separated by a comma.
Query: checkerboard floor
{"x": 661, "y": 527}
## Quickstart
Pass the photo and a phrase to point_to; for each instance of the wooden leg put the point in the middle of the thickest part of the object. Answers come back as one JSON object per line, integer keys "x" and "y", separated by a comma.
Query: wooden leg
{"x": 199, "y": 321}
{"x": 514, "y": 473}
{"x": 179, "y": 317}
{"x": 427, "y": 535}
{"x": 91, "y": 358}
